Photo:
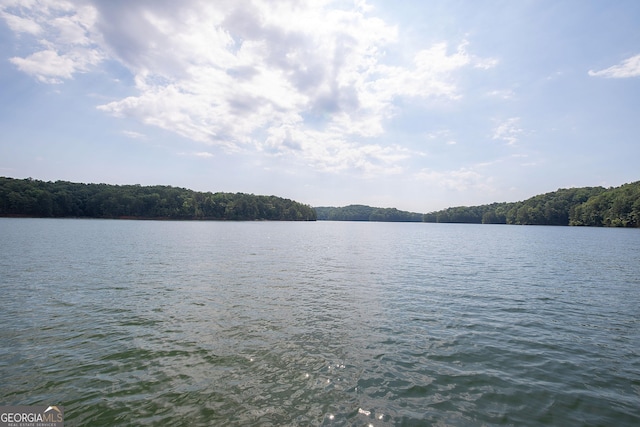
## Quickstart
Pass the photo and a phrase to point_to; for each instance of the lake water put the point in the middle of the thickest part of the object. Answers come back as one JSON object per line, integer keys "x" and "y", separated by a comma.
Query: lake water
{"x": 320, "y": 323}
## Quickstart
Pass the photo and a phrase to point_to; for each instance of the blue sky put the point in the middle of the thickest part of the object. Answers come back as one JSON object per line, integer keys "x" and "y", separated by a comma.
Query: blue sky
{"x": 418, "y": 105}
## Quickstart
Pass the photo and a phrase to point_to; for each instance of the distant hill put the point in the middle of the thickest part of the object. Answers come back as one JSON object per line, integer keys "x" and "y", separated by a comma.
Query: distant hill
{"x": 366, "y": 213}
{"x": 590, "y": 206}
{"x": 28, "y": 197}
{"x": 586, "y": 206}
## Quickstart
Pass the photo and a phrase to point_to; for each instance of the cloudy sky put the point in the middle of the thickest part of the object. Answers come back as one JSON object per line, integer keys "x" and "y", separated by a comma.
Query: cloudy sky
{"x": 418, "y": 105}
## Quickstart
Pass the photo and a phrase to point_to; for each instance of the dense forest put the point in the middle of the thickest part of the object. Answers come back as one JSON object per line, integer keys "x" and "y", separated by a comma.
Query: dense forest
{"x": 587, "y": 206}
{"x": 29, "y": 197}
{"x": 366, "y": 213}
{"x": 590, "y": 206}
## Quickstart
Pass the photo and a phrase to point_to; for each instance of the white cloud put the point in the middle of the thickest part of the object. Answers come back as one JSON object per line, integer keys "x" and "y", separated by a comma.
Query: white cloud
{"x": 19, "y": 24}
{"x": 445, "y": 135}
{"x": 200, "y": 154}
{"x": 508, "y": 130}
{"x": 501, "y": 93}
{"x": 302, "y": 79}
{"x": 133, "y": 134}
{"x": 628, "y": 68}
{"x": 462, "y": 179}
{"x": 430, "y": 76}
{"x": 332, "y": 152}
{"x": 49, "y": 66}
{"x": 65, "y": 33}
{"x": 203, "y": 154}
{"x": 485, "y": 63}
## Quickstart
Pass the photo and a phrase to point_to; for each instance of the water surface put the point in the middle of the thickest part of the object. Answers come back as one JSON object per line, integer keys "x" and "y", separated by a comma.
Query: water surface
{"x": 325, "y": 323}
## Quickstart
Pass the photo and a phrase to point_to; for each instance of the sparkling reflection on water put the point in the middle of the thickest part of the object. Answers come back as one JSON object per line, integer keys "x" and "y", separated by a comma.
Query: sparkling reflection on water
{"x": 327, "y": 323}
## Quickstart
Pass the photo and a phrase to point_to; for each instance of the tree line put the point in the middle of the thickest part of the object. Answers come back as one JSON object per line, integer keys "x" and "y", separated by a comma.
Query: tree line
{"x": 587, "y": 206}
{"x": 366, "y": 213}
{"x": 29, "y": 197}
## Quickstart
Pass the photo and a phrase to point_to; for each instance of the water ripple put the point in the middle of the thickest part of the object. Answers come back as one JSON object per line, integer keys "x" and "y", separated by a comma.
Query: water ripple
{"x": 332, "y": 324}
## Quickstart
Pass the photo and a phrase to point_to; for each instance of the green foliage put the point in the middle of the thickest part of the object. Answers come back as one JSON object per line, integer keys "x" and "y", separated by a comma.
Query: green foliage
{"x": 551, "y": 208}
{"x": 616, "y": 207}
{"x": 494, "y": 213}
{"x": 593, "y": 206}
{"x": 366, "y": 213}
{"x": 27, "y": 197}
{"x": 589, "y": 206}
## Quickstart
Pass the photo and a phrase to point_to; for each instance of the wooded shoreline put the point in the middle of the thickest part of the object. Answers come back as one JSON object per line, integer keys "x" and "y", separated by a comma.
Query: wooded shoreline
{"x": 585, "y": 206}
{"x": 62, "y": 199}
